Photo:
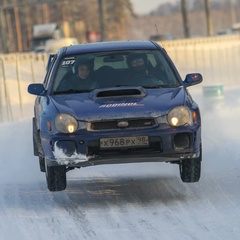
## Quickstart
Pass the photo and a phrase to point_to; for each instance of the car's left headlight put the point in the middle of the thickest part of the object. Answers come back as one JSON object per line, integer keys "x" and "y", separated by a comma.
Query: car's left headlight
{"x": 66, "y": 123}
{"x": 179, "y": 116}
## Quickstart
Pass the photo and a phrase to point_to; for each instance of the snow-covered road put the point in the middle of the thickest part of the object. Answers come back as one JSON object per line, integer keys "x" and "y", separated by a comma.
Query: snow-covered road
{"x": 131, "y": 201}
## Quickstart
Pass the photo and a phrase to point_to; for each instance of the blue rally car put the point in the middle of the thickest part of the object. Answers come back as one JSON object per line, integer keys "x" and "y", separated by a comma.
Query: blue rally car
{"x": 114, "y": 102}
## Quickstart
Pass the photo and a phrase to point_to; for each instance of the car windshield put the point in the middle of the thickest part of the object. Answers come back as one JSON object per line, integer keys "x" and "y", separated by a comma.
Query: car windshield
{"x": 85, "y": 72}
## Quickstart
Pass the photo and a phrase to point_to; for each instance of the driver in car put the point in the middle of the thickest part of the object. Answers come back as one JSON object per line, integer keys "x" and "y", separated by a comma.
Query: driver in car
{"x": 137, "y": 63}
{"x": 81, "y": 78}
{"x": 139, "y": 73}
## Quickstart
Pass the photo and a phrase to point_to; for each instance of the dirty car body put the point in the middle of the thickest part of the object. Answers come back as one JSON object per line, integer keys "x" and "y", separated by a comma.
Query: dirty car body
{"x": 150, "y": 117}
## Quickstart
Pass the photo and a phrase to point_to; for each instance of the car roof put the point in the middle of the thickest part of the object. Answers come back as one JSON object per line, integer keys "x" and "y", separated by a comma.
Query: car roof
{"x": 110, "y": 46}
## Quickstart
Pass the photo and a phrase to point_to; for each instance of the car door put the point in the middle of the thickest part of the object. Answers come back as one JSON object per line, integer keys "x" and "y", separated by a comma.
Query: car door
{"x": 41, "y": 101}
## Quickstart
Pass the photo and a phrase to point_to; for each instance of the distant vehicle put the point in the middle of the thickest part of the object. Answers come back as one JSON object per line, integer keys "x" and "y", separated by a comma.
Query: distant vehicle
{"x": 146, "y": 117}
{"x": 53, "y": 45}
{"x": 42, "y": 33}
{"x": 161, "y": 37}
{"x": 226, "y": 31}
{"x": 236, "y": 28}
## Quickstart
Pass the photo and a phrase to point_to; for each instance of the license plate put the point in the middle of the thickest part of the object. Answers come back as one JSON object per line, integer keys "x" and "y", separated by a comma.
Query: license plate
{"x": 120, "y": 142}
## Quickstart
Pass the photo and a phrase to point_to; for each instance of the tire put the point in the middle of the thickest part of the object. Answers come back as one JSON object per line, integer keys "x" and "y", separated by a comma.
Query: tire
{"x": 35, "y": 137}
{"x": 56, "y": 178}
{"x": 41, "y": 156}
{"x": 190, "y": 169}
{"x": 42, "y": 164}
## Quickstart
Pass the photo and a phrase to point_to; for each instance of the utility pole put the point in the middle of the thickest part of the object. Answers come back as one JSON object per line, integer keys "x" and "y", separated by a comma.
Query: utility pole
{"x": 185, "y": 19}
{"x": 208, "y": 18}
{"x": 232, "y": 12}
{"x": 101, "y": 20}
{"x": 3, "y": 30}
{"x": 45, "y": 12}
{"x": 18, "y": 27}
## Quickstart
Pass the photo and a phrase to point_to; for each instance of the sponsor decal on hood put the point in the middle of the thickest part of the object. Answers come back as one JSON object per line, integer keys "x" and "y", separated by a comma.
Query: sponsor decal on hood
{"x": 115, "y": 105}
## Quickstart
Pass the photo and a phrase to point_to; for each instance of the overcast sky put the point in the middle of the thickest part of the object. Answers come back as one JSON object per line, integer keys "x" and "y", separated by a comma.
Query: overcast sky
{"x": 146, "y": 6}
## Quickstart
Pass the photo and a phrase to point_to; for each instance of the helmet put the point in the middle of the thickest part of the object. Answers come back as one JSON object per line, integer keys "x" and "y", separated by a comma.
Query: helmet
{"x": 133, "y": 56}
{"x": 85, "y": 59}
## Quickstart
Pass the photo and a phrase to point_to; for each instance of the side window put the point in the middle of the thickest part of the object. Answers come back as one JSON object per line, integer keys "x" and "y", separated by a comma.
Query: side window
{"x": 98, "y": 62}
{"x": 65, "y": 69}
{"x": 49, "y": 72}
{"x": 166, "y": 70}
{"x": 152, "y": 60}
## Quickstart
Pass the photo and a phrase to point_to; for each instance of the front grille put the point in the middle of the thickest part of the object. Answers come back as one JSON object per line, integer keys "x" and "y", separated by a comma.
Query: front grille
{"x": 113, "y": 124}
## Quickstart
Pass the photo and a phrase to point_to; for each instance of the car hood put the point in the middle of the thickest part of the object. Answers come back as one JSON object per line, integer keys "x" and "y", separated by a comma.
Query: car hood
{"x": 120, "y": 102}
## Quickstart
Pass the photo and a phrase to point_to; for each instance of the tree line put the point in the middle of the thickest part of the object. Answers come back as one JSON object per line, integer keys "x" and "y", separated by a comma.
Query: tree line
{"x": 17, "y": 17}
{"x": 110, "y": 18}
{"x": 191, "y": 8}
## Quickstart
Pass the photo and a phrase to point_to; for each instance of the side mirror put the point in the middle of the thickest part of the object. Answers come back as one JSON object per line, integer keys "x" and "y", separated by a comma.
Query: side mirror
{"x": 37, "y": 89}
{"x": 192, "y": 79}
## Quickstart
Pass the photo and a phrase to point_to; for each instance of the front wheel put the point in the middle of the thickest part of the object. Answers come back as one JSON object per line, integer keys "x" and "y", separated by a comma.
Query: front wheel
{"x": 56, "y": 178}
{"x": 40, "y": 153}
{"x": 41, "y": 163}
{"x": 190, "y": 169}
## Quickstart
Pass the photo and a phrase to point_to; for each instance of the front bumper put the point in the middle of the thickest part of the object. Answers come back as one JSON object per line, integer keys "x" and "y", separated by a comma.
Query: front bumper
{"x": 165, "y": 145}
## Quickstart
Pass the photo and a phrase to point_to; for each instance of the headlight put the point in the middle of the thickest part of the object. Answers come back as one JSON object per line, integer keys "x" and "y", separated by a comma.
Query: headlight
{"x": 66, "y": 123}
{"x": 179, "y": 116}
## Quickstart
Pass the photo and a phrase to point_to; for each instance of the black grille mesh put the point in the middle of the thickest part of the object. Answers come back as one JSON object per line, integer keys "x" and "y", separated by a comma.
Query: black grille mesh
{"x": 132, "y": 123}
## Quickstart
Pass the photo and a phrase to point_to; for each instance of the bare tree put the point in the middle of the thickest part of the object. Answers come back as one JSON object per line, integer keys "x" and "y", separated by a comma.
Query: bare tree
{"x": 16, "y": 19}
{"x": 185, "y": 19}
{"x": 3, "y": 28}
{"x": 208, "y": 18}
{"x": 101, "y": 19}
{"x": 18, "y": 27}
{"x": 117, "y": 18}
{"x": 113, "y": 18}
{"x": 233, "y": 11}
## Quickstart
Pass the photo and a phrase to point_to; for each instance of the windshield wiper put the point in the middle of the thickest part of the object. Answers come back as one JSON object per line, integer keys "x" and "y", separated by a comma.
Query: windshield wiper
{"x": 162, "y": 86}
{"x": 153, "y": 86}
{"x": 72, "y": 91}
{"x": 123, "y": 86}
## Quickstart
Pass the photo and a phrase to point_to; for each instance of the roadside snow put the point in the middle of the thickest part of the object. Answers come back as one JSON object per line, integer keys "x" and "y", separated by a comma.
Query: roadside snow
{"x": 131, "y": 201}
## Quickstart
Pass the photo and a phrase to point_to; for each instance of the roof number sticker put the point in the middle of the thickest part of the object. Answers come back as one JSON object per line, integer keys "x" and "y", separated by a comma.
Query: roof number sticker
{"x": 68, "y": 62}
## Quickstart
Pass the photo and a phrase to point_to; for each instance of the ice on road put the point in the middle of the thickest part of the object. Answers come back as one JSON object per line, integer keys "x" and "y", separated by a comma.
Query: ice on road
{"x": 131, "y": 201}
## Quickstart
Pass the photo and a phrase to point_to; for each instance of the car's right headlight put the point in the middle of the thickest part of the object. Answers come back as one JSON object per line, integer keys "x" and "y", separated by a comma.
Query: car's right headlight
{"x": 179, "y": 116}
{"x": 65, "y": 123}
